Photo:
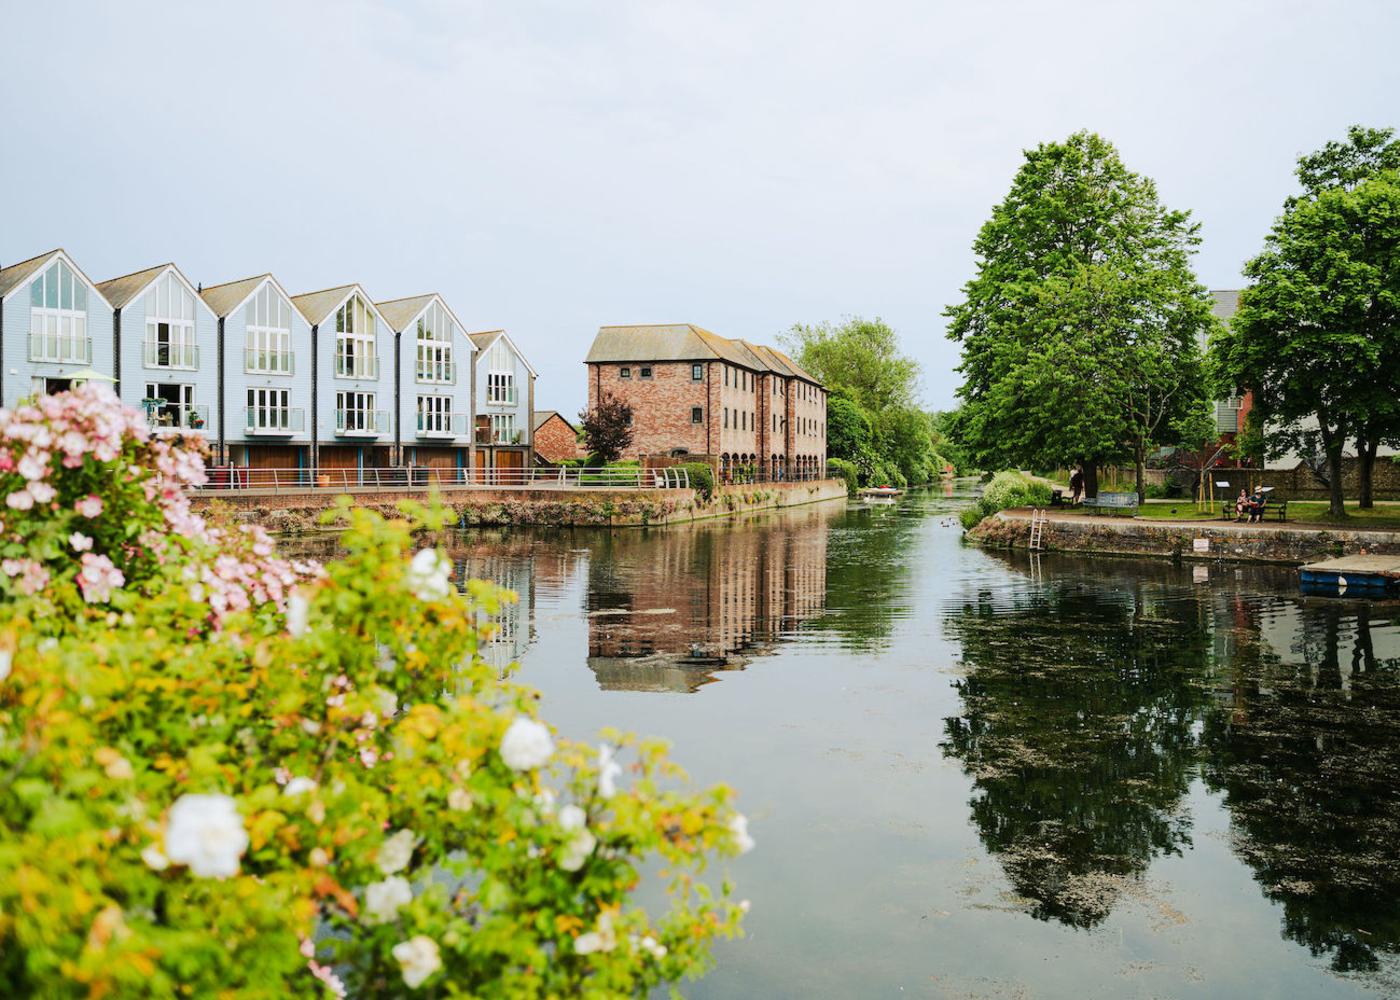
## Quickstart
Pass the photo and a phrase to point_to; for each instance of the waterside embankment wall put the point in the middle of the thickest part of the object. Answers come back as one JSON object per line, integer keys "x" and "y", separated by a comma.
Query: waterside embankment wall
{"x": 1272, "y": 543}
{"x": 301, "y": 511}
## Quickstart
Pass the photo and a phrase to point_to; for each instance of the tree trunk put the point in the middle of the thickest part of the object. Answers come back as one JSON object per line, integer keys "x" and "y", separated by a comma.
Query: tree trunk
{"x": 1365, "y": 465}
{"x": 1139, "y": 467}
{"x": 1091, "y": 478}
{"x": 1336, "y": 501}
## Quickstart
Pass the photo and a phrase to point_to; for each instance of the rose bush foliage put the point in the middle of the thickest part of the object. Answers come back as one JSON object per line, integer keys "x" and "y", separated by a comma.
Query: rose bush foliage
{"x": 315, "y": 787}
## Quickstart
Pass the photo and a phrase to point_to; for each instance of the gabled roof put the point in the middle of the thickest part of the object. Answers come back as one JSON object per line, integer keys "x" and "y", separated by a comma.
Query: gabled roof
{"x": 17, "y": 274}
{"x": 688, "y": 342}
{"x": 543, "y": 417}
{"x": 120, "y": 291}
{"x": 316, "y": 306}
{"x": 1224, "y": 302}
{"x": 483, "y": 339}
{"x": 226, "y": 298}
{"x": 400, "y": 313}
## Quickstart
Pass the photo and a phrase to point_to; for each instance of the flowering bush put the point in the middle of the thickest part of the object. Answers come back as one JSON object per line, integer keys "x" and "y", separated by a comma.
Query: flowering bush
{"x": 317, "y": 787}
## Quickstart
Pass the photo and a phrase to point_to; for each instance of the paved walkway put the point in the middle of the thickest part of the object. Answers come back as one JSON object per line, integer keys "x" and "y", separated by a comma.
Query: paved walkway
{"x": 1240, "y": 528}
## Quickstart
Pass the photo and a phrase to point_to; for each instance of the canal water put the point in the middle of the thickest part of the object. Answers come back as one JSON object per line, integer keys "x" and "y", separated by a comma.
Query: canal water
{"x": 976, "y": 774}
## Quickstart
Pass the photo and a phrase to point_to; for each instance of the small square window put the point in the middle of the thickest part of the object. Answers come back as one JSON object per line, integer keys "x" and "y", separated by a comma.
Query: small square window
{"x": 646, "y": 371}
{"x": 624, "y": 372}
{"x": 697, "y": 414}
{"x": 697, "y": 372}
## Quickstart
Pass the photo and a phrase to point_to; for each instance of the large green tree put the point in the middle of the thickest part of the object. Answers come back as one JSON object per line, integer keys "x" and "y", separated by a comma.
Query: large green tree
{"x": 1081, "y": 330}
{"x": 1317, "y": 334}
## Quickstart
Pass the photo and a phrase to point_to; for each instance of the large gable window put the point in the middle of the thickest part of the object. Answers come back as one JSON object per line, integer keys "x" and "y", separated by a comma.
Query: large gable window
{"x": 435, "y": 339}
{"x": 267, "y": 321}
{"x": 170, "y": 325}
{"x": 355, "y": 354}
{"x": 58, "y": 317}
{"x": 500, "y": 374}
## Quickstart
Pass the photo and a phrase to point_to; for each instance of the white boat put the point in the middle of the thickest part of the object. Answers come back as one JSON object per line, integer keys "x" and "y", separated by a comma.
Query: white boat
{"x": 881, "y": 494}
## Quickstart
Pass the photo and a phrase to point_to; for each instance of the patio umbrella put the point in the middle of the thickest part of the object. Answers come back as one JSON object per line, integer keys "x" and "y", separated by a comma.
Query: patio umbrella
{"x": 90, "y": 375}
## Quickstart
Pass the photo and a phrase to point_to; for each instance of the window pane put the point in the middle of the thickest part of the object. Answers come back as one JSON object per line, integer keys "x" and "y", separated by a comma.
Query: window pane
{"x": 51, "y": 287}
{"x": 36, "y": 292}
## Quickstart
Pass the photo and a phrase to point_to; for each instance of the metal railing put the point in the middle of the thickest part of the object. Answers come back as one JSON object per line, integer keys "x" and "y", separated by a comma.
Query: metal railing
{"x": 158, "y": 355}
{"x": 744, "y": 474}
{"x": 60, "y": 349}
{"x": 487, "y": 436}
{"x": 273, "y": 419}
{"x": 268, "y": 362}
{"x": 444, "y": 425}
{"x": 178, "y": 417}
{"x": 501, "y": 397}
{"x": 441, "y": 372}
{"x": 357, "y": 367}
{"x": 224, "y": 478}
{"x": 361, "y": 422}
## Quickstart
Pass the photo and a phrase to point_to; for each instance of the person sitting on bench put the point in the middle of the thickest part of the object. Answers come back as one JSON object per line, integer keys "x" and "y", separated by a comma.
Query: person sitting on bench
{"x": 1242, "y": 505}
{"x": 1256, "y": 507}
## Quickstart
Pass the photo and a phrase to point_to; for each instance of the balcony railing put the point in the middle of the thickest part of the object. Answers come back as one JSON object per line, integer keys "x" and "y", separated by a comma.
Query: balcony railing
{"x": 273, "y": 419}
{"x": 59, "y": 349}
{"x": 501, "y": 397}
{"x": 361, "y": 423}
{"x": 268, "y": 362}
{"x": 159, "y": 355}
{"x": 177, "y": 417}
{"x": 356, "y": 367}
{"x": 422, "y": 477}
{"x": 443, "y": 425}
{"x": 438, "y": 372}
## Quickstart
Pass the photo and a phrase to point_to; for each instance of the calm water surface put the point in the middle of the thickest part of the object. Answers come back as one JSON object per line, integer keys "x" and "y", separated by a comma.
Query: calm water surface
{"x": 974, "y": 774}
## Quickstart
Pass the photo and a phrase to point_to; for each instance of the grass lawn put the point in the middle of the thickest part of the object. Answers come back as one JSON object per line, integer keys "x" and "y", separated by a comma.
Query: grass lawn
{"x": 1385, "y": 516}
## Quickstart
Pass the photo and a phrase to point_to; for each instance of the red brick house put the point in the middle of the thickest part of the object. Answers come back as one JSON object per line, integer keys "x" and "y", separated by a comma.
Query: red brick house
{"x": 556, "y": 440}
{"x": 738, "y": 405}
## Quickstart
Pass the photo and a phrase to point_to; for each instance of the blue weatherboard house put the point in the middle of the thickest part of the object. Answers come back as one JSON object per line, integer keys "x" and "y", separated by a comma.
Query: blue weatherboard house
{"x": 433, "y": 412}
{"x": 505, "y": 403}
{"x": 55, "y": 328}
{"x": 265, "y": 375}
{"x": 165, "y": 348}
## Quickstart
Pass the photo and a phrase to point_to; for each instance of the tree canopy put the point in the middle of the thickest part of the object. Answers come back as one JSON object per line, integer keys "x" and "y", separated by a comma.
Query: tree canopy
{"x": 1081, "y": 330}
{"x": 1317, "y": 334}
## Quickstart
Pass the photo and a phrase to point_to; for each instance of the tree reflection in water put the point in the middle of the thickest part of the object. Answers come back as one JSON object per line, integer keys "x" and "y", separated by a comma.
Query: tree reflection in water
{"x": 1307, "y": 757}
{"x": 1079, "y": 706}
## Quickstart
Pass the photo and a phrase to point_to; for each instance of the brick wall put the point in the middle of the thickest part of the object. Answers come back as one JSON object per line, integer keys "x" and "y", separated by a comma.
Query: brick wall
{"x": 661, "y": 405}
{"x": 555, "y": 440}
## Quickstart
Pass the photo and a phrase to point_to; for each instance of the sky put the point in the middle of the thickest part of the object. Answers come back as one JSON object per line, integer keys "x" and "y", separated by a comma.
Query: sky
{"x": 553, "y": 167}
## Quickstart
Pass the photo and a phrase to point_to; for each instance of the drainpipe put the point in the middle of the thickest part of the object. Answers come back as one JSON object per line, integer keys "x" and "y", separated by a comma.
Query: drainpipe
{"x": 315, "y": 406}
{"x": 530, "y": 427}
{"x": 397, "y": 458}
{"x": 117, "y": 350}
{"x": 223, "y": 423}
{"x": 2, "y": 352}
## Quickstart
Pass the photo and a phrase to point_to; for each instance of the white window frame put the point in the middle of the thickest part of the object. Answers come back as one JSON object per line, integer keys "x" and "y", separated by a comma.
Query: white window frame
{"x": 355, "y": 411}
{"x": 58, "y": 332}
{"x": 171, "y": 305}
{"x": 503, "y": 428}
{"x": 271, "y": 409}
{"x": 500, "y": 388}
{"x": 436, "y": 331}
{"x": 435, "y": 414}
{"x": 267, "y": 323}
{"x": 356, "y": 347}
{"x": 184, "y": 405}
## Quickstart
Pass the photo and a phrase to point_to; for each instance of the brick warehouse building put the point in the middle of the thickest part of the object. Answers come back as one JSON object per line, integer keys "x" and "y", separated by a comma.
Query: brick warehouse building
{"x": 694, "y": 393}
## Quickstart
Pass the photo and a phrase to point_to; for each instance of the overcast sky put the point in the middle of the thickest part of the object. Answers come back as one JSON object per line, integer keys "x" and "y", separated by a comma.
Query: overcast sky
{"x": 553, "y": 167}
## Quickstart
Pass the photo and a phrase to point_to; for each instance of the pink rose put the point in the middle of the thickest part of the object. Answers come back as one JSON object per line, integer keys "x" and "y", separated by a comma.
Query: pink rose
{"x": 80, "y": 542}
{"x": 19, "y": 500}
{"x": 89, "y": 506}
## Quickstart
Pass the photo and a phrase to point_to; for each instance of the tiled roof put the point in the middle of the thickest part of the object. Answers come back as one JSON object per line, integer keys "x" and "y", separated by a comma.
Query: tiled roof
{"x": 225, "y": 298}
{"x": 316, "y": 306}
{"x": 400, "y": 312}
{"x": 543, "y": 417}
{"x": 687, "y": 342}
{"x": 120, "y": 291}
{"x": 484, "y": 338}
{"x": 16, "y": 273}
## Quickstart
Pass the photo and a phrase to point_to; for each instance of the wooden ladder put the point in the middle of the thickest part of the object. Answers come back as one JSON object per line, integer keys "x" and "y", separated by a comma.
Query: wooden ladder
{"x": 1039, "y": 519}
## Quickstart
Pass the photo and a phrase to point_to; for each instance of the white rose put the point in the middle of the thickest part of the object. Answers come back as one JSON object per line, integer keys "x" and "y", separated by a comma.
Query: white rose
{"x": 419, "y": 958}
{"x": 298, "y": 608}
{"x": 603, "y": 939}
{"x": 429, "y": 576}
{"x": 206, "y": 833}
{"x": 739, "y": 826}
{"x": 395, "y": 853}
{"x": 608, "y": 771}
{"x": 653, "y": 947}
{"x": 383, "y": 899}
{"x": 577, "y": 850}
{"x": 6, "y": 659}
{"x": 299, "y": 785}
{"x": 155, "y": 858}
{"x": 459, "y": 800}
{"x": 526, "y": 745}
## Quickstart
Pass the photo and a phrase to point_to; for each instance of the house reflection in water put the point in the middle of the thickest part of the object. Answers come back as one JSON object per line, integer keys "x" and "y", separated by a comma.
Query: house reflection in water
{"x": 669, "y": 609}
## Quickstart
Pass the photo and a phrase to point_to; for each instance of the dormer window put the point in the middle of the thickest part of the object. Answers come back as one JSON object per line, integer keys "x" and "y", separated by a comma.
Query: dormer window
{"x": 267, "y": 322}
{"x": 355, "y": 353}
{"x": 435, "y": 331}
{"x": 170, "y": 325}
{"x": 58, "y": 317}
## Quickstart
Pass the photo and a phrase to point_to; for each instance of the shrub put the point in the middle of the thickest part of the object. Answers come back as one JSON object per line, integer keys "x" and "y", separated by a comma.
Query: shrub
{"x": 326, "y": 791}
{"x": 702, "y": 479}
{"x": 843, "y": 469}
{"x": 1004, "y": 491}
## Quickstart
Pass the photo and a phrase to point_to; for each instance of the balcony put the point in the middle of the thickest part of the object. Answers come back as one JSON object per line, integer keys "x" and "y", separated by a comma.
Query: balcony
{"x": 501, "y": 397}
{"x": 183, "y": 356}
{"x": 268, "y": 362}
{"x": 172, "y": 417}
{"x": 506, "y": 437}
{"x": 443, "y": 425}
{"x": 59, "y": 349}
{"x": 273, "y": 420}
{"x": 361, "y": 423}
{"x": 357, "y": 367}
{"x": 437, "y": 372}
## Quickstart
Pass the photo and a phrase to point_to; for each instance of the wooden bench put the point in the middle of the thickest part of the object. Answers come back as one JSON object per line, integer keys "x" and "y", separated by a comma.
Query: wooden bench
{"x": 1112, "y": 502}
{"x": 1279, "y": 508}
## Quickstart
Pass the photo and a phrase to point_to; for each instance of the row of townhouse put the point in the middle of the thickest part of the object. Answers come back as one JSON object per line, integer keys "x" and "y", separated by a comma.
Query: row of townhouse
{"x": 325, "y": 380}
{"x": 694, "y": 393}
